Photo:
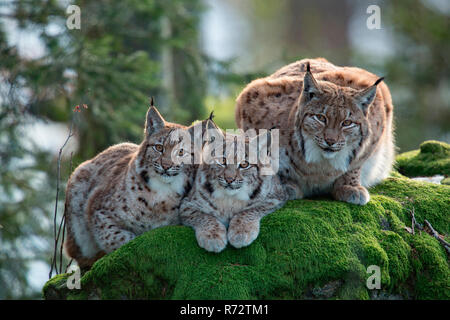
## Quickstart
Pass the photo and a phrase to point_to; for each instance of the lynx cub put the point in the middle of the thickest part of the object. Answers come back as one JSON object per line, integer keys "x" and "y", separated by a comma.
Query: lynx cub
{"x": 336, "y": 127}
{"x": 229, "y": 192}
{"x": 126, "y": 190}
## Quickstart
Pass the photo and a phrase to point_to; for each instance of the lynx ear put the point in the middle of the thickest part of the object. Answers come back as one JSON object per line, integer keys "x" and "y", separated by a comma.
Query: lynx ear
{"x": 154, "y": 121}
{"x": 365, "y": 97}
{"x": 213, "y": 132}
{"x": 310, "y": 86}
{"x": 209, "y": 123}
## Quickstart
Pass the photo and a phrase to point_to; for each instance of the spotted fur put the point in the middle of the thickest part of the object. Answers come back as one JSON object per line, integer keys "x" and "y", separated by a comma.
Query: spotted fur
{"x": 126, "y": 190}
{"x": 335, "y": 124}
{"x": 228, "y": 200}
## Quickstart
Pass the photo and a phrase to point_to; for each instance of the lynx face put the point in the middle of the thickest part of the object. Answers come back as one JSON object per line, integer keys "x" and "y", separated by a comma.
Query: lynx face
{"x": 334, "y": 123}
{"x": 230, "y": 173}
{"x": 333, "y": 120}
{"x": 164, "y": 154}
{"x": 159, "y": 154}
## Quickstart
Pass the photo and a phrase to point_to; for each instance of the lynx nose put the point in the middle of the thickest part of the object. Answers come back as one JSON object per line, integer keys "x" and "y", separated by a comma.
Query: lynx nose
{"x": 229, "y": 179}
{"x": 330, "y": 141}
{"x": 166, "y": 165}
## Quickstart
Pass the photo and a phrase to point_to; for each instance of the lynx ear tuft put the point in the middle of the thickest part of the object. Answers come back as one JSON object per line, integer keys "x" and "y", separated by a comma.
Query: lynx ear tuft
{"x": 209, "y": 122}
{"x": 152, "y": 103}
{"x": 378, "y": 81}
{"x": 308, "y": 67}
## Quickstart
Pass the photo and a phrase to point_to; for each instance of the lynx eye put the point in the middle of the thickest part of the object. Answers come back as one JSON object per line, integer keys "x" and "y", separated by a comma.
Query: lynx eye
{"x": 347, "y": 123}
{"x": 181, "y": 152}
{"x": 222, "y": 161}
{"x": 321, "y": 118}
{"x": 244, "y": 165}
{"x": 158, "y": 147}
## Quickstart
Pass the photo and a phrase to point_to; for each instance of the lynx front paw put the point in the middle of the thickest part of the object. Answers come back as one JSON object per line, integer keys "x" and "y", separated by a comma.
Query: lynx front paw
{"x": 213, "y": 239}
{"x": 352, "y": 194}
{"x": 241, "y": 232}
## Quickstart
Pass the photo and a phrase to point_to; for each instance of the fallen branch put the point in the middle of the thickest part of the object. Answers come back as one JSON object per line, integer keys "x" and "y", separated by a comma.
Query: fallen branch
{"x": 429, "y": 229}
{"x": 435, "y": 234}
{"x": 414, "y": 223}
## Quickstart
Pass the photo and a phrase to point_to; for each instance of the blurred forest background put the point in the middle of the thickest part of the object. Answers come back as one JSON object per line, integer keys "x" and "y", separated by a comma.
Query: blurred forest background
{"x": 193, "y": 56}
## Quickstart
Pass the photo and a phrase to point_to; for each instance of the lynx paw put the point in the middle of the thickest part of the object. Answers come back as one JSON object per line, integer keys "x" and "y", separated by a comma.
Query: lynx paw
{"x": 213, "y": 239}
{"x": 356, "y": 195}
{"x": 242, "y": 233}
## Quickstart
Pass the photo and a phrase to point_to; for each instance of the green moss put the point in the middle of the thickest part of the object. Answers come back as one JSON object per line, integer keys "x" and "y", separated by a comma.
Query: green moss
{"x": 432, "y": 158}
{"x": 305, "y": 246}
{"x": 306, "y": 243}
{"x": 55, "y": 288}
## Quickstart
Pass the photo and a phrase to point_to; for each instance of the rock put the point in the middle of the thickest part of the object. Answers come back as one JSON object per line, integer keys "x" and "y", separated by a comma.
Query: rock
{"x": 381, "y": 295}
{"x": 328, "y": 290}
{"x": 434, "y": 179}
{"x": 433, "y": 158}
{"x": 56, "y": 288}
{"x": 309, "y": 249}
{"x": 446, "y": 181}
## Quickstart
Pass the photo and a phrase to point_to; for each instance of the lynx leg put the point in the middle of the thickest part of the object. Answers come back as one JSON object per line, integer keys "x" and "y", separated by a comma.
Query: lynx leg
{"x": 211, "y": 234}
{"x": 244, "y": 226}
{"x": 108, "y": 234}
{"x": 291, "y": 188}
{"x": 348, "y": 188}
{"x": 243, "y": 229}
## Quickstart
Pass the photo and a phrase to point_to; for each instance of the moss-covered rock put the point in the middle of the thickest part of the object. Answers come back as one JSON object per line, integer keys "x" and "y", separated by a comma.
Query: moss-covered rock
{"x": 446, "y": 181}
{"x": 309, "y": 249}
{"x": 56, "y": 288}
{"x": 432, "y": 158}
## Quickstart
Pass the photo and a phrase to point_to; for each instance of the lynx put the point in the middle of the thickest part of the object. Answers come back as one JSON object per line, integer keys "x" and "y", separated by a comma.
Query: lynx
{"x": 336, "y": 127}
{"x": 126, "y": 190}
{"x": 230, "y": 195}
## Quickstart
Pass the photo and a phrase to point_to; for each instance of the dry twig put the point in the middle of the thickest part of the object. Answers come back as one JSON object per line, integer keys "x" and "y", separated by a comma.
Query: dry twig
{"x": 435, "y": 234}
{"x": 54, "y": 264}
{"x": 429, "y": 229}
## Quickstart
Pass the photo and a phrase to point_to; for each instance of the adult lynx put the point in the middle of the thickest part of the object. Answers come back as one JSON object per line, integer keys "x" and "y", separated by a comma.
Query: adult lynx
{"x": 336, "y": 127}
{"x": 126, "y": 190}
